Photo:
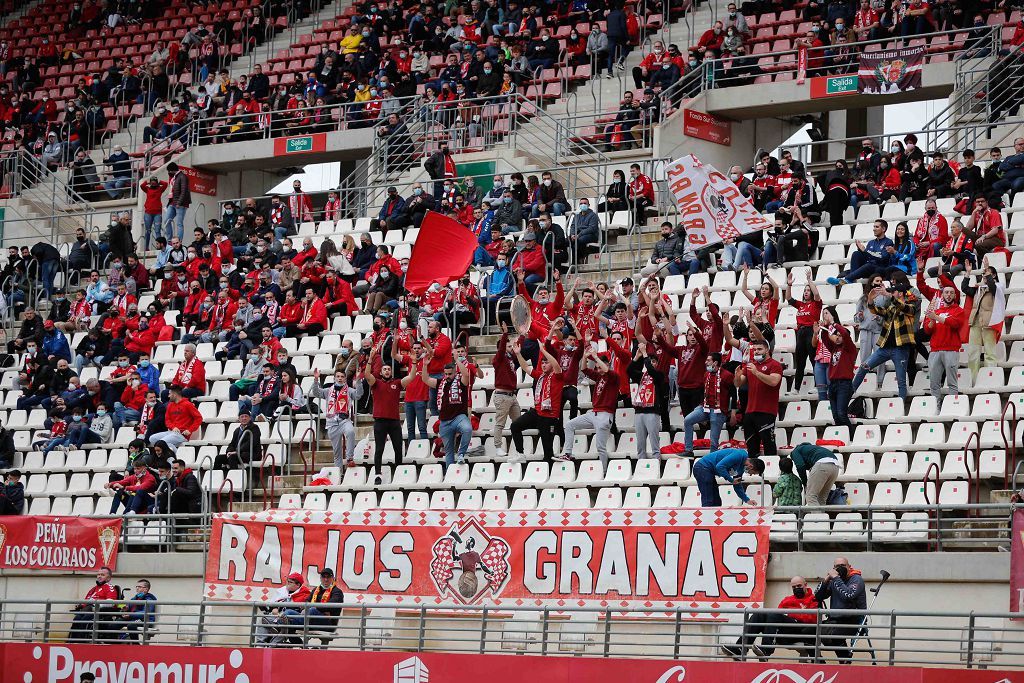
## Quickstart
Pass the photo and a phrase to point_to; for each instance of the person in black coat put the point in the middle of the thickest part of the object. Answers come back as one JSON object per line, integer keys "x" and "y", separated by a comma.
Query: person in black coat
{"x": 241, "y": 449}
{"x": 187, "y": 495}
{"x": 6, "y": 447}
{"x": 48, "y": 258}
{"x": 322, "y": 617}
{"x": 31, "y": 330}
{"x": 12, "y": 495}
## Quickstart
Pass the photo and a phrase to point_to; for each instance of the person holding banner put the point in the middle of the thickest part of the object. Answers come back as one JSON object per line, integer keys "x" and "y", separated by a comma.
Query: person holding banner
{"x": 545, "y": 416}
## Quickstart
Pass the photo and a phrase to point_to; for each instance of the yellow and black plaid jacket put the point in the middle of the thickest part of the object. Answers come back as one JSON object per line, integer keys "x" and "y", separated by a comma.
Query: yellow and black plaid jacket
{"x": 897, "y": 318}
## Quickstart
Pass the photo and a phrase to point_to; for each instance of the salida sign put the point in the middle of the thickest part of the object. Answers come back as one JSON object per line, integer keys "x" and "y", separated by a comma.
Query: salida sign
{"x": 633, "y": 560}
{"x": 58, "y": 543}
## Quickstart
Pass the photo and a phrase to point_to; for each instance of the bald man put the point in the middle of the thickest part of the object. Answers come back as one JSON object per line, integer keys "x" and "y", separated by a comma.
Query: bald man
{"x": 779, "y": 629}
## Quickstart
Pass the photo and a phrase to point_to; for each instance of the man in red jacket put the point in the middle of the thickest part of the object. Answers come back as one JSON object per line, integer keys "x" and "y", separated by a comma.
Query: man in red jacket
{"x": 85, "y": 614}
{"x": 338, "y": 296}
{"x": 152, "y": 216}
{"x": 135, "y": 491}
{"x": 777, "y": 629}
{"x": 182, "y": 420}
{"x": 190, "y": 376}
{"x": 313, "y": 319}
{"x": 944, "y": 319}
{"x": 529, "y": 264}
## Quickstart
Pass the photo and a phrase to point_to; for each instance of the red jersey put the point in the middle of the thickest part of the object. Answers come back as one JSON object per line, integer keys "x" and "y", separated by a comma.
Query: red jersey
{"x": 807, "y": 312}
{"x": 770, "y": 308}
{"x": 417, "y": 389}
{"x": 385, "y": 398}
{"x": 761, "y": 397}
{"x": 605, "y": 394}
{"x": 569, "y": 361}
{"x": 584, "y": 318}
{"x": 504, "y": 363}
{"x": 710, "y": 328}
{"x": 547, "y": 392}
{"x": 690, "y": 368}
{"x": 844, "y": 354}
{"x": 442, "y": 353}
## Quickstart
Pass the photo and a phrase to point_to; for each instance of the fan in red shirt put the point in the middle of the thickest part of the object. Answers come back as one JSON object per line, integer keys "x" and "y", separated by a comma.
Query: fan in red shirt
{"x": 763, "y": 377}
{"x": 780, "y": 630}
{"x": 767, "y": 298}
{"x": 808, "y": 311}
{"x": 543, "y": 312}
{"x": 181, "y": 418}
{"x": 640, "y": 193}
{"x": 710, "y": 326}
{"x": 313, "y": 319}
{"x": 842, "y": 365}
{"x": 690, "y": 363}
{"x": 190, "y": 375}
{"x": 82, "y": 627}
{"x": 338, "y": 297}
{"x": 545, "y": 416}
{"x": 604, "y": 399}
{"x": 711, "y": 39}
{"x": 416, "y": 392}
{"x": 386, "y": 391}
{"x": 569, "y": 353}
{"x": 586, "y": 314}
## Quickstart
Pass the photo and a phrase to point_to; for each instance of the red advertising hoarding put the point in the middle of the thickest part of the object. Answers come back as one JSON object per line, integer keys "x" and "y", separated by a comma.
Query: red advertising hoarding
{"x": 704, "y": 126}
{"x": 163, "y": 664}
{"x": 200, "y": 182}
{"x": 58, "y": 543}
{"x": 633, "y": 560}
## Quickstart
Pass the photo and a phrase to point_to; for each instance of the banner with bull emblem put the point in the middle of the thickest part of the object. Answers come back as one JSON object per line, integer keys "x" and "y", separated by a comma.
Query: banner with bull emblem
{"x": 629, "y": 560}
{"x": 890, "y": 72}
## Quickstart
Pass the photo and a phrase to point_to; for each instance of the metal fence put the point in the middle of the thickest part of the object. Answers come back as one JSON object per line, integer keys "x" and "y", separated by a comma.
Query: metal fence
{"x": 891, "y": 638}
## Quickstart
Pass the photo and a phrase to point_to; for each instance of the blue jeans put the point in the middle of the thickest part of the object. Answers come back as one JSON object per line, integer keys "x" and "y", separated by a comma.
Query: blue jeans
{"x": 49, "y": 272}
{"x": 139, "y": 502}
{"x": 458, "y": 425}
{"x": 115, "y": 185}
{"x": 123, "y": 414}
{"x": 683, "y": 267}
{"x": 862, "y": 265}
{"x": 152, "y": 222}
{"x": 177, "y": 215}
{"x": 839, "y": 393}
{"x": 772, "y": 207}
{"x": 707, "y": 484}
{"x": 735, "y": 255}
{"x": 696, "y": 417}
{"x": 898, "y": 355}
{"x": 416, "y": 412}
{"x": 554, "y": 208}
{"x": 821, "y": 380}
{"x": 482, "y": 258}
{"x": 433, "y": 394}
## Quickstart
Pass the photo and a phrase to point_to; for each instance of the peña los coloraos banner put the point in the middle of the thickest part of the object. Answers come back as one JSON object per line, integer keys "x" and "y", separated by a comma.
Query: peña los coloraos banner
{"x": 58, "y": 543}
{"x": 633, "y": 560}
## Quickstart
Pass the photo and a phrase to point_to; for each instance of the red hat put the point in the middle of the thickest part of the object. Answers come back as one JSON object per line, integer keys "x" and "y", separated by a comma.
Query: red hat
{"x": 48, "y": 324}
{"x": 296, "y": 577}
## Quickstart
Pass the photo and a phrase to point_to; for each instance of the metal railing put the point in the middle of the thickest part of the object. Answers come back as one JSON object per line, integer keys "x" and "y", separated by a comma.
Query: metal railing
{"x": 893, "y": 638}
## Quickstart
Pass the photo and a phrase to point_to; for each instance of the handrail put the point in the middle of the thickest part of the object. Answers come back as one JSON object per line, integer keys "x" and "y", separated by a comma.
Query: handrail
{"x": 231, "y": 494}
{"x": 927, "y": 499}
{"x": 307, "y": 465}
{"x": 263, "y": 477}
{"x": 247, "y": 434}
{"x": 1009, "y": 445}
{"x": 973, "y": 480}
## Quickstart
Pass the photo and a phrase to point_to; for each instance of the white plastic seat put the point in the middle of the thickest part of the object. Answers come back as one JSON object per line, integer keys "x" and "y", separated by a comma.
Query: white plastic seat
{"x": 637, "y": 497}
{"x": 524, "y": 499}
{"x": 576, "y": 499}
{"x": 551, "y": 499}
{"x": 495, "y": 499}
{"x": 668, "y": 497}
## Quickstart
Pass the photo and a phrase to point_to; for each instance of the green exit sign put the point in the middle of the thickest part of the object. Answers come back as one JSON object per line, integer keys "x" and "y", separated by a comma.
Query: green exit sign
{"x": 303, "y": 144}
{"x": 840, "y": 85}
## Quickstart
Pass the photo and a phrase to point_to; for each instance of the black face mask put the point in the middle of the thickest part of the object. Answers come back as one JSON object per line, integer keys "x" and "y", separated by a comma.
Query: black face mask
{"x": 843, "y": 571}
{"x": 799, "y": 592}
{"x": 931, "y": 212}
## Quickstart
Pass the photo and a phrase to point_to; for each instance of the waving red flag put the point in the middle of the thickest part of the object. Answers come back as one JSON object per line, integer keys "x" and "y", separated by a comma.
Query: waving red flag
{"x": 443, "y": 252}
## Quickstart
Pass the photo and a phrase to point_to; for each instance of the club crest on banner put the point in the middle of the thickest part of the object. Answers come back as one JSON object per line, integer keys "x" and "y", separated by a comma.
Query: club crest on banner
{"x": 468, "y": 563}
{"x": 108, "y": 543}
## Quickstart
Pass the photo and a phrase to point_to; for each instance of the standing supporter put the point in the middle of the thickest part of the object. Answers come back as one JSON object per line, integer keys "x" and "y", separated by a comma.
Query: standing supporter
{"x": 190, "y": 375}
{"x": 569, "y": 353}
{"x": 844, "y": 588}
{"x": 710, "y": 326}
{"x": 543, "y": 313}
{"x": 178, "y": 202}
{"x": 152, "y": 216}
{"x": 714, "y": 404}
{"x": 690, "y": 370}
{"x": 452, "y": 400}
{"x": 762, "y": 376}
{"x": 417, "y": 395}
{"x": 439, "y": 354}
{"x": 943, "y": 324}
{"x": 808, "y": 311}
{"x": 339, "y": 414}
{"x": 833, "y": 336}
{"x": 604, "y": 398}
{"x": 506, "y": 386}
{"x": 729, "y": 464}
{"x": 386, "y": 422}
{"x": 546, "y": 413}
{"x": 787, "y": 491}
{"x": 896, "y": 338}
{"x": 818, "y": 468}
{"x": 988, "y": 312}
{"x": 767, "y": 299}
{"x": 646, "y": 382}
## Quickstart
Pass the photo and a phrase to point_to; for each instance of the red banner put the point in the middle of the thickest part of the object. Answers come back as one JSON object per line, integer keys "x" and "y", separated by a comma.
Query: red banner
{"x": 633, "y": 560}
{"x": 704, "y": 126}
{"x": 199, "y": 181}
{"x": 801, "y": 64}
{"x": 442, "y": 253}
{"x": 1017, "y": 564}
{"x": 58, "y": 543}
{"x": 167, "y": 664}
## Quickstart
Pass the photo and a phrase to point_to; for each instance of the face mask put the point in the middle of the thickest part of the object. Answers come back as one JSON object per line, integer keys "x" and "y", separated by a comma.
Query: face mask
{"x": 417, "y": 192}
{"x": 151, "y": 403}
{"x": 547, "y": 182}
{"x": 122, "y": 363}
{"x": 542, "y": 224}
{"x": 31, "y": 349}
{"x": 710, "y": 367}
{"x": 376, "y": 327}
{"x": 693, "y": 62}
{"x": 143, "y": 363}
{"x": 506, "y": 200}
{"x": 544, "y": 38}
{"x": 501, "y": 263}
{"x": 344, "y": 353}
{"x": 894, "y": 150}
{"x": 135, "y": 384}
{"x": 840, "y": 27}
{"x": 76, "y": 418}
{"x": 735, "y": 176}
{"x": 759, "y": 358}
{"x": 799, "y": 592}
{"x": 487, "y": 71}
{"x": 584, "y": 208}
{"x": 100, "y": 413}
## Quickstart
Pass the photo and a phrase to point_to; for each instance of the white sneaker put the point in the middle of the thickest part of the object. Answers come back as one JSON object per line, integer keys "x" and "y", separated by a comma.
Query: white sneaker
{"x": 500, "y": 453}
{"x": 516, "y": 457}
{"x": 460, "y": 460}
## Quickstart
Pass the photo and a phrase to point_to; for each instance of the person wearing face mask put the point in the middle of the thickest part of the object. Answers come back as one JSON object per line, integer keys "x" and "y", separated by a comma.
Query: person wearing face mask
{"x": 649, "y": 65}
{"x": 943, "y": 325}
{"x": 86, "y": 613}
{"x": 844, "y": 588}
{"x": 440, "y": 166}
{"x": 793, "y": 630}
{"x": 762, "y": 375}
{"x": 128, "y": 408}
{"x": 615, "y": 196}
{"x": 584, "y": 232}
{"x": 550, "y": 197}
{"x": 729, "y": 464}
{"x": 715, "y": 403}
{"x": 987, "y": 316}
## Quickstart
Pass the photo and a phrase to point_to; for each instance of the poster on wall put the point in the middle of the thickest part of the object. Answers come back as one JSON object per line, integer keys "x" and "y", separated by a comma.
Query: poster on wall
{"x": 58, "y": 543}
{"x": 890, "y": 72}
{"x": 200, "y": 181}
{"x": 704, "y": 126}
{"x": 633, "y": 560}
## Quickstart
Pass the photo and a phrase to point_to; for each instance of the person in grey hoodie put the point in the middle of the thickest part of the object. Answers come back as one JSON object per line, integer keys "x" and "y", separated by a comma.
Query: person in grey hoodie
{"x": 597, "y": 49}
{"x": 870, "y": 325}
{"x": 844, "y": 588}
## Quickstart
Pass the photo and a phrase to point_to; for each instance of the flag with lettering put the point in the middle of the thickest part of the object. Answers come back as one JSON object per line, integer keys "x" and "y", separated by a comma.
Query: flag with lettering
{"x": 890, "y": 72}
{"x": 58, "y": 543}
{"x": 711, "y": 206}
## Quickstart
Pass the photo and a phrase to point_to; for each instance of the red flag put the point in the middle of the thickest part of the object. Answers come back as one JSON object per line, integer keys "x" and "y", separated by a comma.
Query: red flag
{"x": 443, "y": 252}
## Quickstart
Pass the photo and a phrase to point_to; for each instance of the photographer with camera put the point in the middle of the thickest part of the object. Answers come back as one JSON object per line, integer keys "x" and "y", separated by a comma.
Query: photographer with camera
{"x": 898, "y": 312}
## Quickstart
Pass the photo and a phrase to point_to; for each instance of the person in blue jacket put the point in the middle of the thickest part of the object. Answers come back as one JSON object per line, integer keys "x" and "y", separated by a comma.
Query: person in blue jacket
{"x": 729, "y": 464}
{"x": 868, "y": 259}
{"x": 55, "y": 344}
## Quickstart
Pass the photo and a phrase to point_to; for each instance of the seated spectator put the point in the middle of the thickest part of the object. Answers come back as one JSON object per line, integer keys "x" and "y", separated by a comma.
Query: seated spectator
{"x": 932, "y": 231}
{"x": 616, "y": 196}
{"x": 794, "y": 630}
{"x": 584, "y": 232}
{"x": 178, "y": 492}
{"x": 957, "y": 253}
{"x": 986, "y": 227}
{"x": 140, "y": 616}
{"x": 551, "y": 197}
{"x": 135, "y": 491}
{"x": 182, "y": 420}
{"x": 672, "y": 253}
{"x": 321, "y": 617}
{"x": 280, "y": 624}
{"x": 903, "y": 252}
{"x": 870, "y": 258}
{"x": 90, "y": 617}
{"x": 1011, "y": 171}
{"x": 12, "y": 495}
{"x": 940, "y": 177}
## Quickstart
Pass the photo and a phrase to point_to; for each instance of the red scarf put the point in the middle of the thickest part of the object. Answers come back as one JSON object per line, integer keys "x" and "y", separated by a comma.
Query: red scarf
{"x": 927, "y": 229}
{"x": 81, "y": 309}
{"x": 337, "y": 401}
{"x": 332, "y": 209}
{"x": 713, "y": 399}
{"x": 643, "y": 393}
{"x": 453, "y": 390}
{"x": 183, "y": 376}
{"x": 542, "y": 392}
